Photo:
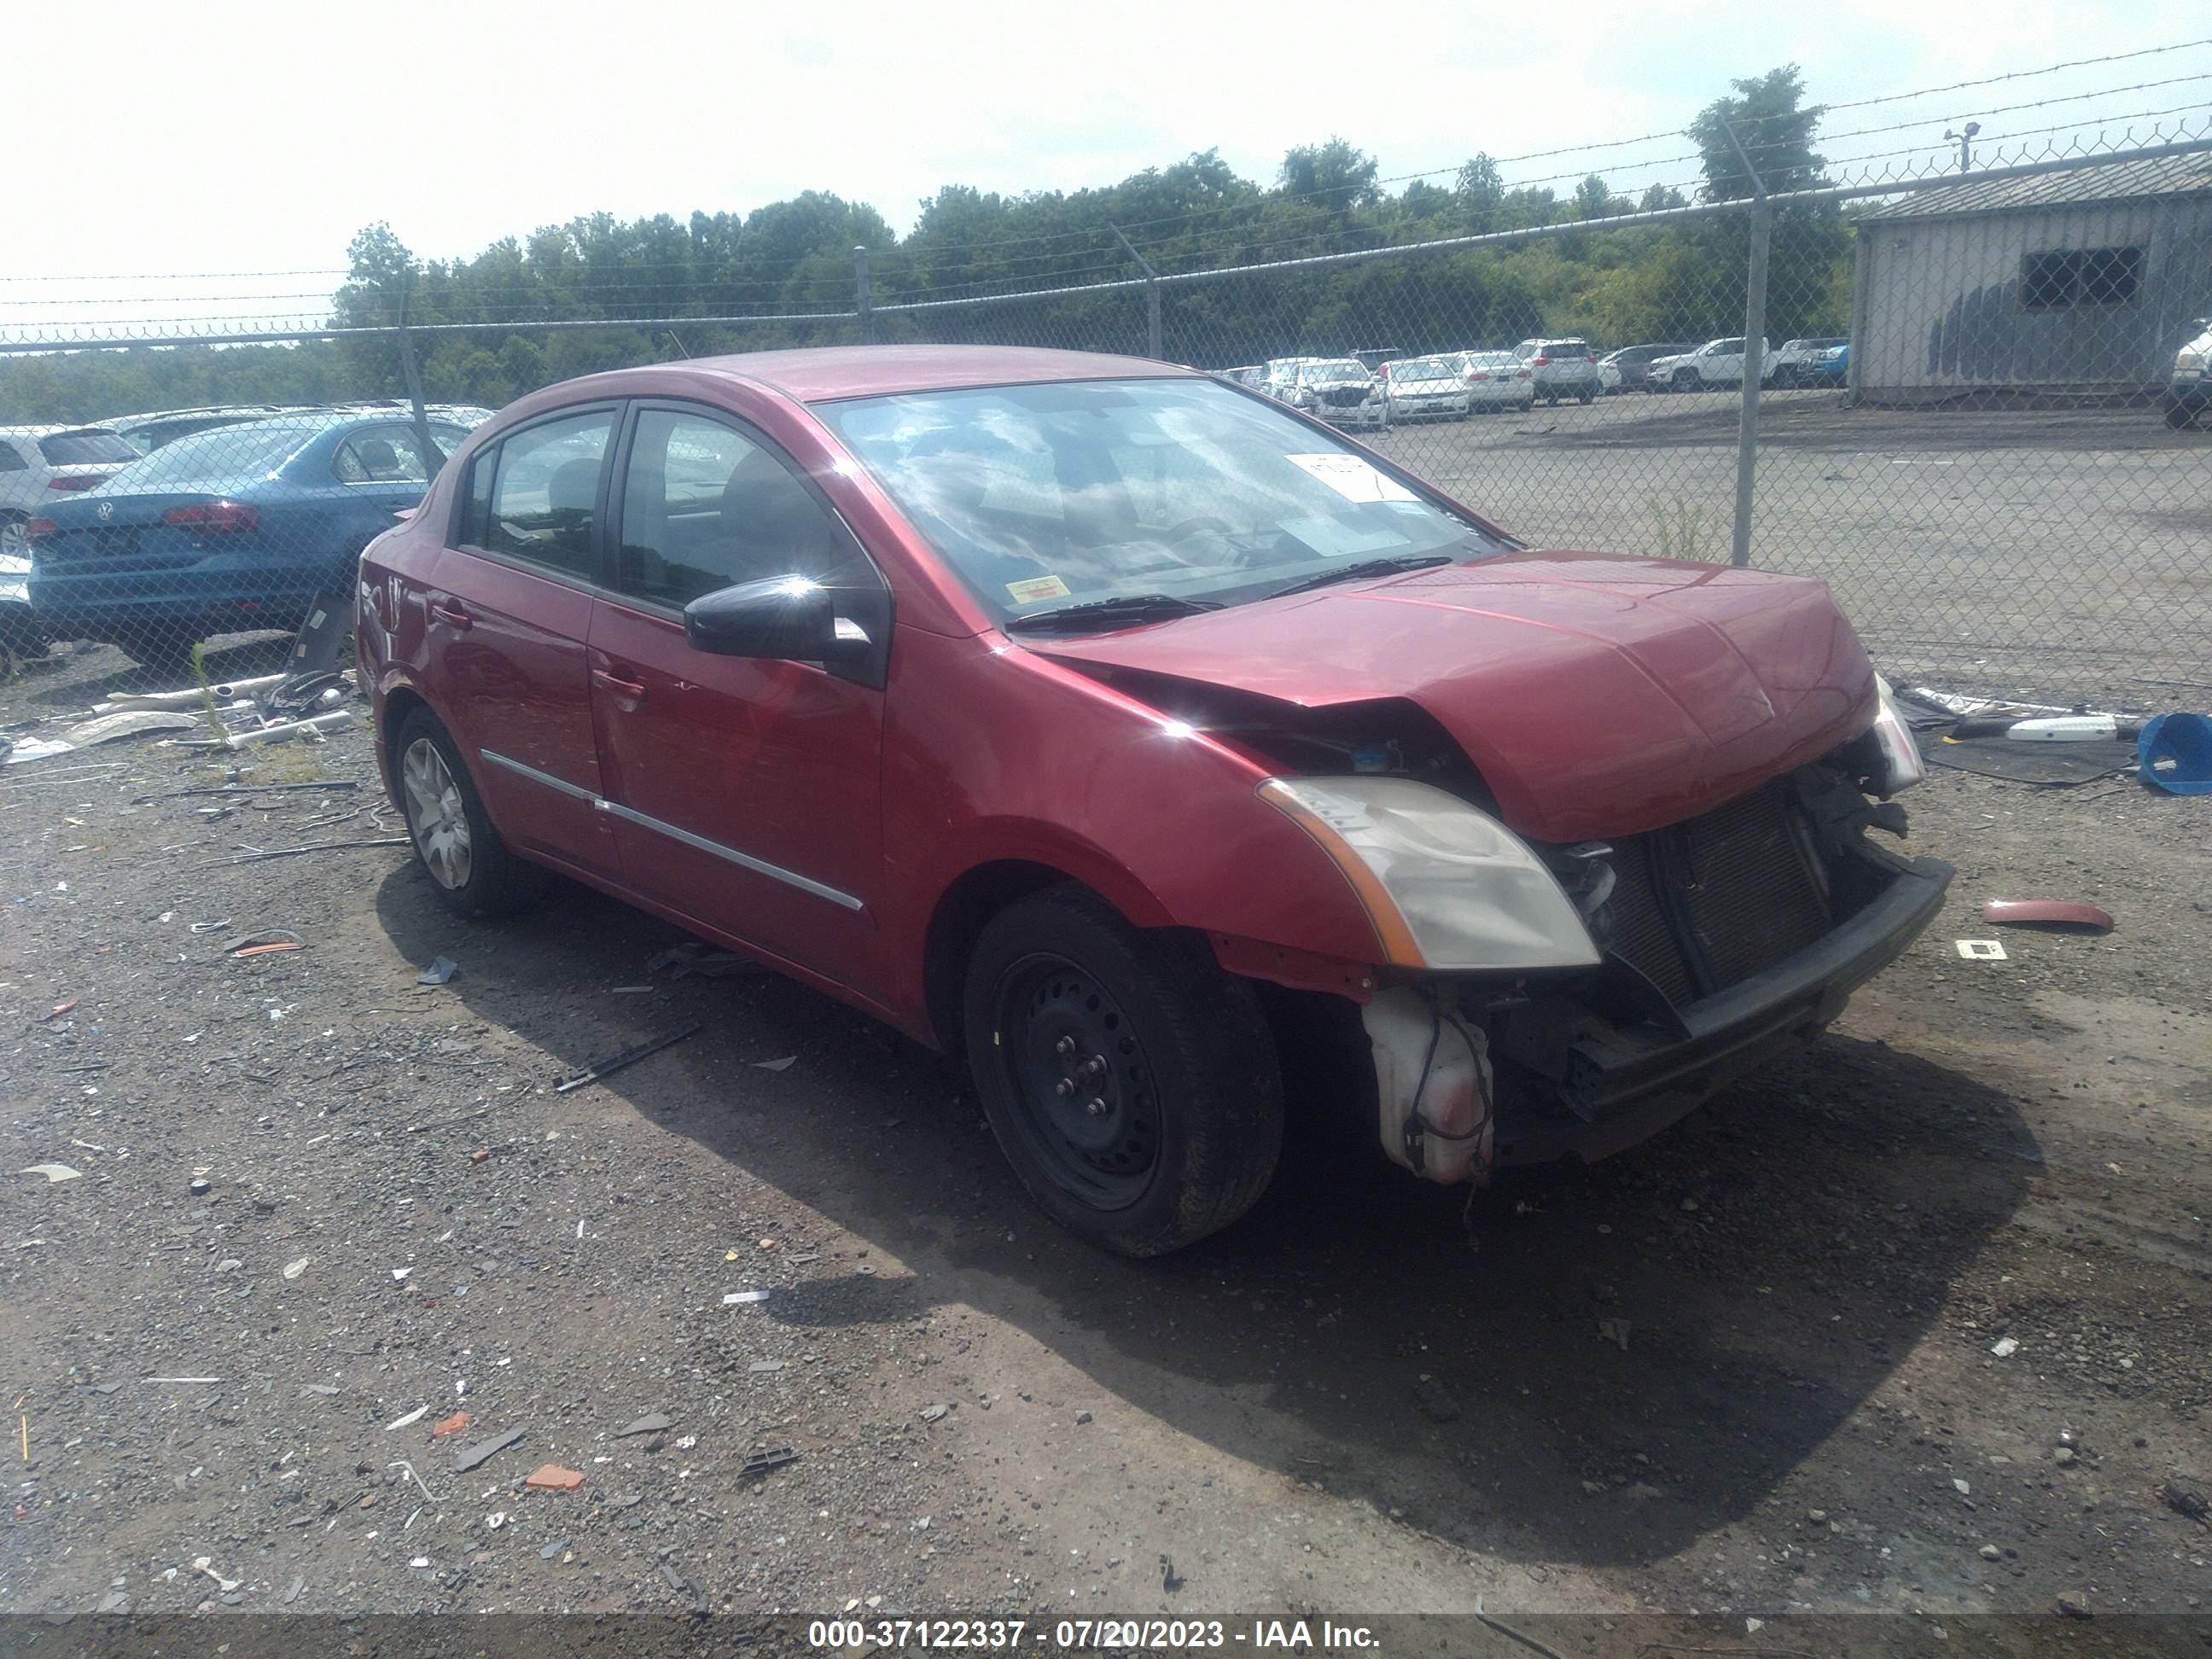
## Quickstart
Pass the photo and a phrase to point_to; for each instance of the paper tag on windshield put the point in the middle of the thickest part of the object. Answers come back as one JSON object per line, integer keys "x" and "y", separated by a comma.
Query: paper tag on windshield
{"x": 1031, "y": 589}
{"x": 1353, "y": 478}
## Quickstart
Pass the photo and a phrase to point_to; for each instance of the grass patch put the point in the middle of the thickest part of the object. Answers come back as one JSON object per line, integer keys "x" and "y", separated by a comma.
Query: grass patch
{"x": 1684, "y": 531}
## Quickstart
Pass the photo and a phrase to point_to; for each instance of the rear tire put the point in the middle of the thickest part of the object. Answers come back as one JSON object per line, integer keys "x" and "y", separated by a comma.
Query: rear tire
{"x": 1586, "y": 396}
{"x": 2178, "y": 415}
{"x": 1133, "y": 1085}
{"x": 471, "y": 868}
{"x": 166, "y": 651}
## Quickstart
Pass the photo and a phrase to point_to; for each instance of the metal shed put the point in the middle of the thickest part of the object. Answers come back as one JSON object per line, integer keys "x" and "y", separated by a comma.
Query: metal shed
{"x": 2073, "y": 285}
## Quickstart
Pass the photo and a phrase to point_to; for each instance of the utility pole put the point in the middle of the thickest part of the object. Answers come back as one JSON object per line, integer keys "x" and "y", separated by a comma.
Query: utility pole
{"x": 1755, "y": 355}
{"x": 1152, "y": 294}
{"x": 1964, "y": 140}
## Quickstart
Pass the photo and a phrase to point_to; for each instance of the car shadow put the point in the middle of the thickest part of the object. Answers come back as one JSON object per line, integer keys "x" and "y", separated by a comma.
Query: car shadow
{"x": 1597, "y": 1365}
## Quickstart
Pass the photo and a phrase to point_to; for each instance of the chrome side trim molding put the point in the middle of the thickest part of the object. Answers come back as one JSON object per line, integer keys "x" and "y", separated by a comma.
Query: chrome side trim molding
{"x": 714, "y": 849}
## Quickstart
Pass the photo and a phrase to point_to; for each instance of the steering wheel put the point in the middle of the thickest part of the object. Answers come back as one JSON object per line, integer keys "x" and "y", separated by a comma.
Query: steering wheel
{"x": 1178, "y": 534}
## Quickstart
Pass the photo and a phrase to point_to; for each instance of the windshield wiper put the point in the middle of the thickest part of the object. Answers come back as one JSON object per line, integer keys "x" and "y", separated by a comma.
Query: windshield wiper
{"x": 1123, "y": 608}
{"x": 1365, "y": 569}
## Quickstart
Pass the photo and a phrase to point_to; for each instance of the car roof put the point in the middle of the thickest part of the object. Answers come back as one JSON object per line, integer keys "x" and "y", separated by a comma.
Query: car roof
{"x": 822, "y": 374}
{"x": 36, "y": 431}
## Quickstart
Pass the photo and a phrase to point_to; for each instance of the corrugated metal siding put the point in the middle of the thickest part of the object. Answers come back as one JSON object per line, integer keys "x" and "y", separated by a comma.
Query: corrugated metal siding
{"x": 1944, "y": 309}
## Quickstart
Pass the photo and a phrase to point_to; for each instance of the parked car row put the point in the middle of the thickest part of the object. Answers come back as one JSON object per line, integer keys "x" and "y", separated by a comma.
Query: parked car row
{"x": 233, "y": 520}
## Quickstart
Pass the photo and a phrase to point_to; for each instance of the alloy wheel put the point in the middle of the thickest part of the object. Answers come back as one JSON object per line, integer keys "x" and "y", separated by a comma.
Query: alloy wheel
{"x": 436, "y": 814}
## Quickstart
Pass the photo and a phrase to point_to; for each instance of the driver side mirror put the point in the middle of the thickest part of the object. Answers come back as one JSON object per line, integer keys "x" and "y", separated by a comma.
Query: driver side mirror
{"x": 792, "y": 617}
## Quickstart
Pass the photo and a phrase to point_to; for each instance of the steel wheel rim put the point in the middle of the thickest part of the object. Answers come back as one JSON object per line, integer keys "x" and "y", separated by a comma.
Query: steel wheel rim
{"x": 435, "y": 814}
{"x": 1099, "y": 1138}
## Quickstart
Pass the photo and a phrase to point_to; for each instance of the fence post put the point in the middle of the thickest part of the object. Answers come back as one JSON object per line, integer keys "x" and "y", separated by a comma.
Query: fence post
{"x": 861, "y": 300}
{"x": 410, "y": 373}
{"x": 1754, "y": 357}
{"x": 1152, "y": 347}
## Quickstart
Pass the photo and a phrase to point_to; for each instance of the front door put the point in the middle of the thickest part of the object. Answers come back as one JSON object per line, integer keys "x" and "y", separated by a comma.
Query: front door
{"x": 507, "y": 613}
{"x": 744, "y": 791}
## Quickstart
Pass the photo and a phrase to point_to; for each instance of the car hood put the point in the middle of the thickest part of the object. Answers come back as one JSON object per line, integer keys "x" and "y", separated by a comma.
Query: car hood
{"x": 1599, "y": 695}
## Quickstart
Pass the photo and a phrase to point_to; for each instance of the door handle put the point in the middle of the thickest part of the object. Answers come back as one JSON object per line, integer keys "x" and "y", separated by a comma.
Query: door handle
{"x": 452, "y": 615}
{"x": 633, "y": 689}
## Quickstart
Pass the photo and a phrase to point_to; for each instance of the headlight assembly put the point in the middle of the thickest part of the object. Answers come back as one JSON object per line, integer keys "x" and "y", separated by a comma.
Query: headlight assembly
{"x": 1448, "y": 887}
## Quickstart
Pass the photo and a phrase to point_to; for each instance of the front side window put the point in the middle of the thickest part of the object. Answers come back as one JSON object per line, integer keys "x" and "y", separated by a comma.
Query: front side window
{"x": 1043, "y": 496}
{"x": 545, "y": 491}
{"x": 705, "y": 507}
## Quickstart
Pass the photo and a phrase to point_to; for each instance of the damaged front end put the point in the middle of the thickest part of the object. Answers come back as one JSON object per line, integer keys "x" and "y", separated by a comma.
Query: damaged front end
{"x": 1540, "y": 1000}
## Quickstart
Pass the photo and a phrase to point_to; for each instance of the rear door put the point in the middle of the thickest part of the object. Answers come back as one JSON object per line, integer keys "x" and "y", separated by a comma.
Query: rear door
{"x": 508, "y": 610}
{"x": 744, "y": 791}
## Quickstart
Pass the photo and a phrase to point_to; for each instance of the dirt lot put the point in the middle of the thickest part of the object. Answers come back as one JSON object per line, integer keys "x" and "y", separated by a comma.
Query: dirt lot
{"x": 1339, "y": 1405}
{"x": 2060, "y": 551}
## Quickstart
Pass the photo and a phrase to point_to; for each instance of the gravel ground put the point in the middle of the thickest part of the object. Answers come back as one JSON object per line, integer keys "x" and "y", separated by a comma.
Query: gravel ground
{"x": 1751, "y": 1368}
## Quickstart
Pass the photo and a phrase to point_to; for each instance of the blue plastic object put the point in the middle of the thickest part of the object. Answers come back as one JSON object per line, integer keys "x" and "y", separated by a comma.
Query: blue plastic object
{"x": 2175, "y": 753}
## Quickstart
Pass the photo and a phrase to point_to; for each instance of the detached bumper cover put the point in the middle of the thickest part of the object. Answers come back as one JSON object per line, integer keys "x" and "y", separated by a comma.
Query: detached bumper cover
{"x": 1625, "y": 1083}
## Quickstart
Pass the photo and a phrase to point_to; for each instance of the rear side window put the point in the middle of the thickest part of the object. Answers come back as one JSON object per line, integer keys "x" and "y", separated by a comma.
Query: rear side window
{"x": 11, "y": 459}
{"x": 85, "y": 449}
{"x": 704, "y": 507}
{"x": 545, "y": 490}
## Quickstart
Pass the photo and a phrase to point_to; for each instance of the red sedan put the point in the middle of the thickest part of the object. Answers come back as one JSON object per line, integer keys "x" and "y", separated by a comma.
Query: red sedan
{"x": 1097, "y": 720}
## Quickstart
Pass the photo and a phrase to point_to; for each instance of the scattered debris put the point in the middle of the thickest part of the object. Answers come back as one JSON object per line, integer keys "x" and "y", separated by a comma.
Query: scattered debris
{"x": 781, "y": 1064}
{"x": 936, "y": 1413}
{"x": 694, "y": 958}
{"x": 402, "y": 1463}
{"x": 293, "y": 1270}
{"x": 759, "y": 1366}
{"x": 440, "y": 971}
{"x": 615, "y": 1062}
{"x": 204, "y": 1566}
{"x": 762, "y": 1462}
{"x": 1991, "y": 1553}
{"x": 736, "y": 1296}
{"x": 2067, "y": 914}
{"x": 58, "y": 1010}
{"x": 551, "y": 1477}
{"x": 400, "y": 1274}
{"x": 1962, "y": 1488}
{"x": 129, "y": 723}
{"x": 1979, "y": 949}
{"x": 446, "y": 1427}
{"x": 553, "y": 1549}
{"x": 2074, "y": 1604}
{"x": 2186, "y": 1501}
{"x": 651, "y": 1423}
{"x": 2174, "y": 753}
{"x": 53, "y": 1172}
{"x": 496, "y": 1520}
{"x": 291, "y": 852}
{"x": 2004, "y": 1347}
{"x": 199, "y": 1187}
{"x": 484, "y": 1450}
{"x": 210, "y": 926}
{"x": 1614, "y": 1331}
{"x": 184, "y": 1379}
{"x": 1170, "y": 1580}
{"x": 319, "y": 1388}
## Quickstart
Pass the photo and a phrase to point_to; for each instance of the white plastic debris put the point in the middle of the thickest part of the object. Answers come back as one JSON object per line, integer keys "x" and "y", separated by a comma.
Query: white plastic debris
{"x": 53, "y": 1172}
{"x": 1981, "y": 949}
{"x": 415, "y": 1416}
{"x": 294, "y": 1269}
{"x": 736, "y": 1296}
{"x": 2004, "y": 1346}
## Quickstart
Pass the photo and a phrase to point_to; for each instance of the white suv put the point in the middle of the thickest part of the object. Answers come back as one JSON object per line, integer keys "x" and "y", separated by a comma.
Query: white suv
{"x": 1560, "y": 368}
{"x": 1716, "y": 362}
{"x": 42, "y": 465}
{"x": 2189, "y": 393}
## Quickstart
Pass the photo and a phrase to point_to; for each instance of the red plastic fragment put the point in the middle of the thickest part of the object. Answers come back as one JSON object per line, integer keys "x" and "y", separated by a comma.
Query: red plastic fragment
{"x": 2048, "y": 912}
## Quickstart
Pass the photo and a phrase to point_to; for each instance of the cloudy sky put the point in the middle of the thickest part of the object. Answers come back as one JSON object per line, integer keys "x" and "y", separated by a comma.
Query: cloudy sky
{"x": 238, "y": 139}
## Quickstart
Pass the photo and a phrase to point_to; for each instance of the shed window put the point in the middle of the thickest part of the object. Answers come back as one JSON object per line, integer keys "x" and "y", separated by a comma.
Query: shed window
{"x": 2068, "y": 277}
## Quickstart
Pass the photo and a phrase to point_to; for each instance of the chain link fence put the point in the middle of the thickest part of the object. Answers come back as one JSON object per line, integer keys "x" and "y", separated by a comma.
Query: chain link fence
{"x": 1952, "y": 397}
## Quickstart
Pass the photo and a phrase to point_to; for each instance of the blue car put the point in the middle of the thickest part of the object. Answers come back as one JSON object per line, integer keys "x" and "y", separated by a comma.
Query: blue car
{"x": 228, "y": 530}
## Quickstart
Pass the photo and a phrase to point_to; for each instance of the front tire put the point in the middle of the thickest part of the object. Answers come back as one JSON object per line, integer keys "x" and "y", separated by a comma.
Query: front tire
{"x": 471, "y": 868}
{"x": 1132, "y": 1084}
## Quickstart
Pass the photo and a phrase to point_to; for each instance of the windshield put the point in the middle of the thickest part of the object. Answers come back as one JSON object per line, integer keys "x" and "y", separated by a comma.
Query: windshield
{"x": 1423, "y": 369}
{"x": 1043, "y": 497}
{"x": 251, "y": 450}
{"x": 1334, "y": 372}
{"x": 85, "y": 449}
